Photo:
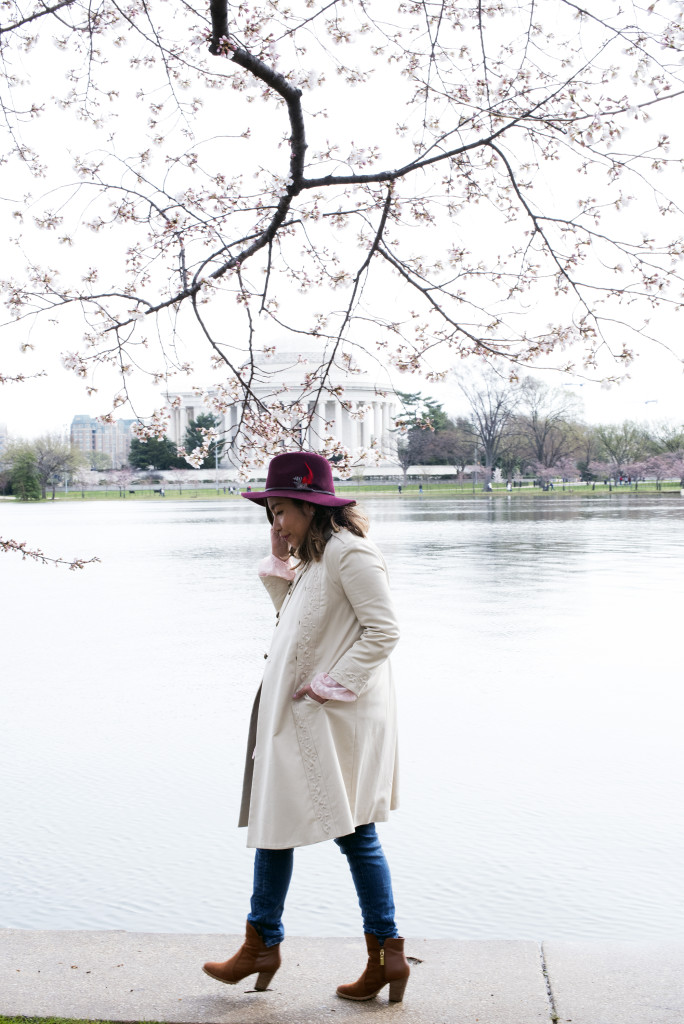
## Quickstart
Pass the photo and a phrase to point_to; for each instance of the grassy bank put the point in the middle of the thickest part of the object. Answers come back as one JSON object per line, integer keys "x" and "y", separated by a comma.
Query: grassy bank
{"x": 430, "y": 490}
{"x": 59, "y": 1020}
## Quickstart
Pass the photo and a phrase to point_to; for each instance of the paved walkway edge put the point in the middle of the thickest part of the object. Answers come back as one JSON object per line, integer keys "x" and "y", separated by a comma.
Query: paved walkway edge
{"x": 131, "y": 976}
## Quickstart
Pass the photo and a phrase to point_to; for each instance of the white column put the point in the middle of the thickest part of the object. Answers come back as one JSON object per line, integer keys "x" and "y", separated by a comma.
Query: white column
{"x": 338, "y": 429}
{"x": 223, "y": 436}
{"x": 329, "y": 408}
{"x": 377, "y": 421}
{"x": 391, "y": 429}
{"x": 345, "y": 428}
{"x": 355, "y": 426}
{"x": 366, "y": 426}
{"x": 388, "y": 438}
{"x": 317, "y": 426}
{"x": 311, "y": 429}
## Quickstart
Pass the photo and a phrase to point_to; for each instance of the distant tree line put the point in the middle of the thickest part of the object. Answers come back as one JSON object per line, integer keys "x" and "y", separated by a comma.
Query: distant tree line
{"x": 523, "y": 429}
{"x": 526, "y": 428}
{"x": 29, "y": 468}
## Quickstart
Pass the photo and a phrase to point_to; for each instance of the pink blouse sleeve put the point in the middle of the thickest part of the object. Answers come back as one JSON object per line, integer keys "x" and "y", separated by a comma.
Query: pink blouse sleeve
{"x": 324, "y": 686}
{"x": 273, "y": 566}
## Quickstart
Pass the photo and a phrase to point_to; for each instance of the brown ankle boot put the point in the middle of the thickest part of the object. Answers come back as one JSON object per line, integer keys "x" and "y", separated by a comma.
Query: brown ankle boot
{"x": 252, "y": 957}
{"x": 386, "y": 965}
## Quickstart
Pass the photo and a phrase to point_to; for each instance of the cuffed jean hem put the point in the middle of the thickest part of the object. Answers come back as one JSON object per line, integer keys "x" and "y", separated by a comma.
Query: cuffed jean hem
{"x": 272, "y": 875}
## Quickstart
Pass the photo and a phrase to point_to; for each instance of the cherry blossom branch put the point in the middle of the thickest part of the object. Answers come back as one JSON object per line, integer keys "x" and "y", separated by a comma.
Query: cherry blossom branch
{"x": 292, "y": 97}
{"x": 33, "y": 17}
{"x": 538, "y": 228}
{"x": 37, "y": 555}
{"x": 21, "y": 377}
{"x": 323, "y": 380}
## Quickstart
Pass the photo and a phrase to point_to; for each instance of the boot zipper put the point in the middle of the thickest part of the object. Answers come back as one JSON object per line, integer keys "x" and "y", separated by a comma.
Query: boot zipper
{"x": 382, "y": 956}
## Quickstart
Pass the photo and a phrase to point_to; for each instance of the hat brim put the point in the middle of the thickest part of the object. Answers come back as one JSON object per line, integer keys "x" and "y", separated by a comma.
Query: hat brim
{"x": 313, "y": 497}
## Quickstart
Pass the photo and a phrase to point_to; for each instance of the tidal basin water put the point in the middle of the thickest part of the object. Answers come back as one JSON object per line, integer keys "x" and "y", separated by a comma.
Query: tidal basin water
{"x": 541, "y": 695}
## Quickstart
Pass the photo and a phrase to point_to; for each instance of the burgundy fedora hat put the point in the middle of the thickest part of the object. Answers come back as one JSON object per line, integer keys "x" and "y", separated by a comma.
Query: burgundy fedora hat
{"x": 304, "y": 476}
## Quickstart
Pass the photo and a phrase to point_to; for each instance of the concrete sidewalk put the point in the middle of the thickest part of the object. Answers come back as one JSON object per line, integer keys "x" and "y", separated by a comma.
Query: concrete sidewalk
{"x": 130, "y": 976}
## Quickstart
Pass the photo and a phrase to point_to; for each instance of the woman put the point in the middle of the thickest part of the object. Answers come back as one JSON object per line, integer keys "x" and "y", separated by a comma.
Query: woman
{"x": 321, "y": 756}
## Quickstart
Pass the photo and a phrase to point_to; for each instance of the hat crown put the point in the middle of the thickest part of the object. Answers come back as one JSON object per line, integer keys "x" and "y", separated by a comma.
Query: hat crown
{"x": 300, "y": 476}
{"x": 300, "y": 471}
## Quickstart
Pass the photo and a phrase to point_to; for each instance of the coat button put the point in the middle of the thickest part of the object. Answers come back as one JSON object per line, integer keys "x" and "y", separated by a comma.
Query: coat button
{"x": 265, "y": 656}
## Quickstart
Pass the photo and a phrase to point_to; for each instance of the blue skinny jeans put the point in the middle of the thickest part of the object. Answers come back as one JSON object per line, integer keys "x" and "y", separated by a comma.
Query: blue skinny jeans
{"x": 370, "y": 872}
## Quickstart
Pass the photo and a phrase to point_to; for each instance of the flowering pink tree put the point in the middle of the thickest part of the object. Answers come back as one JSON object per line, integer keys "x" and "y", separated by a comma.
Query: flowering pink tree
{"x": 664, "y": 466}
{"x": 178, "y": 477}
{"x": 567, "y": 466}
{"x": 362, "y": 178}
{"x": 544, "y": 474}
{"x": 635, "y": 471}
{"x": 616, "y": 471}
{"x": 123, "y": 478}
{"x": 85, "y": 479}
{"x": 359, "y": 178}
{"x": 564, "y": 468}
{"x": 657, "y": 467}
{"x": 602, "y": 470}
{"x": 567, "y": 469}
{"x": 675, "y": 465}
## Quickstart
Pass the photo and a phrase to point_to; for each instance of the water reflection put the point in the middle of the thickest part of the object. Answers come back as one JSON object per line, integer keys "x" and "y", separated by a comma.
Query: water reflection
{"x": 541, "y": 719}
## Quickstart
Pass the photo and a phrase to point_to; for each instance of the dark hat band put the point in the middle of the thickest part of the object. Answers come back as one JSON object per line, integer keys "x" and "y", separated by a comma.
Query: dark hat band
{"x": 303, "y": 490}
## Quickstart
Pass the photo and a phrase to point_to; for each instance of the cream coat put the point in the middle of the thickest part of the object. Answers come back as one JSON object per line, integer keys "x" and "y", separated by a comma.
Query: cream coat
{"x": 321, "y": 769}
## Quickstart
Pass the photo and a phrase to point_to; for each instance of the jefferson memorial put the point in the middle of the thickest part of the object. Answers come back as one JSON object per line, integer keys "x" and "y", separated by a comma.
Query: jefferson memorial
{"x": 367, "y": 416}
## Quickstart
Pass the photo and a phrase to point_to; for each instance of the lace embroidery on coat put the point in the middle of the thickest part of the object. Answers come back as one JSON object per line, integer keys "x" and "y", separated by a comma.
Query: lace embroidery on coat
{"x": 357, "y": 680}
{"x": 306, "y": 655}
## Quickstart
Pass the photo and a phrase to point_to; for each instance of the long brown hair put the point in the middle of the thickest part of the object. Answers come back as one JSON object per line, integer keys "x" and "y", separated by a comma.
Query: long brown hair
{"x": 326, "y": 521}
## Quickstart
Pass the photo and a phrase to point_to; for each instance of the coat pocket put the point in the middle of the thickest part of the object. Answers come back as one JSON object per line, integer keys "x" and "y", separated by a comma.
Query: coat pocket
{"x": 308, "y": 699}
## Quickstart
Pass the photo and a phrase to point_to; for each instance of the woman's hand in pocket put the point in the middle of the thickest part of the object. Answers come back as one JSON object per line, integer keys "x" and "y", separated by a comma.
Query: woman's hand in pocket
{"x": 306, "y": 691}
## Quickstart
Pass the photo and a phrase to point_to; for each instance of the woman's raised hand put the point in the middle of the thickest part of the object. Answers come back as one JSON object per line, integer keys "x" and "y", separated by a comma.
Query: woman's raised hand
{"x": 279, "y": 547}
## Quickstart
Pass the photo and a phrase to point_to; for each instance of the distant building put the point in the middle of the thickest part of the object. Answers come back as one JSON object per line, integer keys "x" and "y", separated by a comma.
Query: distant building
{"x": 114, "y": 439}
{"x": 370, "y": 419}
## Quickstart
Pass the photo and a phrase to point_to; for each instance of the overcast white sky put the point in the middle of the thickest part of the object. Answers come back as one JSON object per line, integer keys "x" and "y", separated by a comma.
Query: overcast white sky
{"x": 654, "y": 392}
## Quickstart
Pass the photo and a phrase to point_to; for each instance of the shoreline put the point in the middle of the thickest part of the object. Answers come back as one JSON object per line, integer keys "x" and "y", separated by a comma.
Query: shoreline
{"x": 410, "y": 492}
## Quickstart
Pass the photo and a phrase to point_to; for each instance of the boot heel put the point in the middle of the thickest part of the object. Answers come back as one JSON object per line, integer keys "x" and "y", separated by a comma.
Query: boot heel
{"x": 396, "y": 990}
{"x": 264, "y": 980}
